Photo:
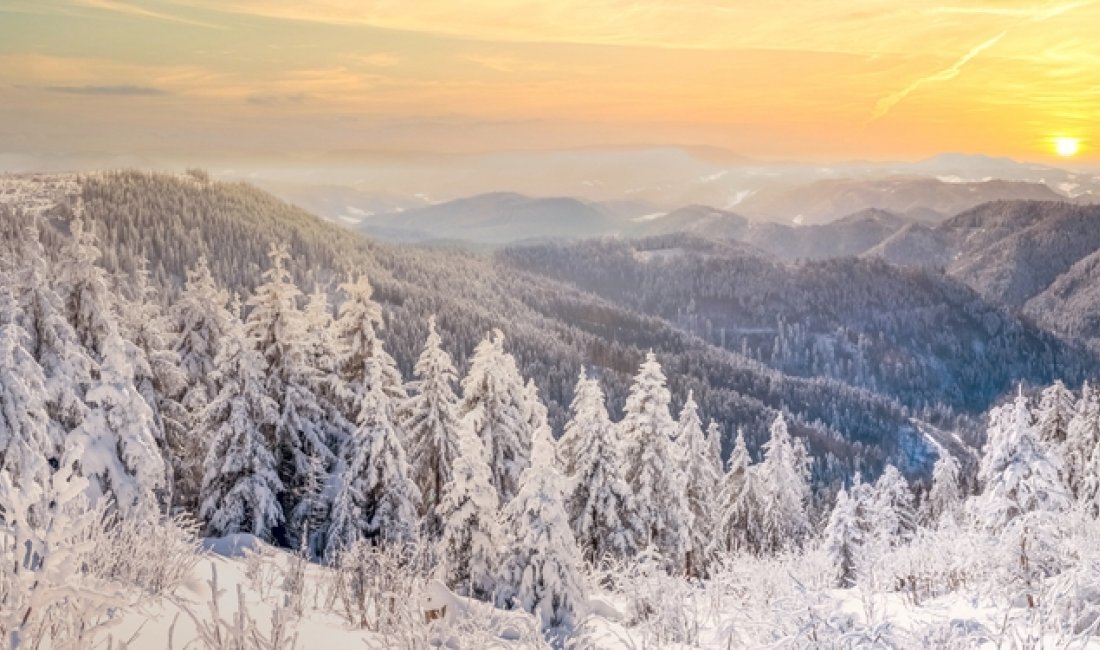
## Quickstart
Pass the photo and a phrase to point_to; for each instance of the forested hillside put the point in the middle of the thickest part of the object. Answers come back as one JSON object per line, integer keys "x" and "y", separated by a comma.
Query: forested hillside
{"x": 918, "y": 336}
{"x": 551, "y": 327}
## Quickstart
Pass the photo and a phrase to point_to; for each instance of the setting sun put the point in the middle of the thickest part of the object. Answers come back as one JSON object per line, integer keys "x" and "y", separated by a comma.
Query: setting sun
{"x": 1066, "y": 147}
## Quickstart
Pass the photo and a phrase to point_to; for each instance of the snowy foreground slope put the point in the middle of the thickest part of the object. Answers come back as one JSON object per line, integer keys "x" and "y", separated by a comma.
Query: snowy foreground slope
{"x": 315, "y": 614}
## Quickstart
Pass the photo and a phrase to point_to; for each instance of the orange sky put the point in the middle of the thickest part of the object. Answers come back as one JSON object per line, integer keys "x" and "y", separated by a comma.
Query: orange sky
{"x": 799, "y": 79}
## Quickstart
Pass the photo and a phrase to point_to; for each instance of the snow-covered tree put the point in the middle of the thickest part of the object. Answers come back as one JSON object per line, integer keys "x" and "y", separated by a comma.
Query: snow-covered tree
{"x": 322, "y": 354}
{"x": 598, "y": 499}
{"x": 161, "y": 382}
{"x": 1056, "y": 409}
{"x": 356, "y": 340}
{"x": 653, "y": 467}
{"x": 276, "y": 329}
{"x": 1020, "y": 474}
{"x": 202, "y": 322}
{"x": 433, "y": 428}
{"x": 541, "y": 566}
{"x": 495, "y": 406}
{"x": 700, "y": 481}
{"x": 66, "y": 365}
{"x": 121, "y": 458}
{"x": 946, "y": 494}
{"x": 783, "y": 491}
{"x": 118, "y": 432}
{"x": 844, "y": 539}
{"x": 1082, "y": 439}
{"x": 375, "y": 499}
{"x": 466, "y": 551}
{"x": 734, "y": 528}
{"x": 26, "y": 445}
{"x": 894, "y": 509}
{"x": 714, "y": 452}
{"x": 240, "y": 484}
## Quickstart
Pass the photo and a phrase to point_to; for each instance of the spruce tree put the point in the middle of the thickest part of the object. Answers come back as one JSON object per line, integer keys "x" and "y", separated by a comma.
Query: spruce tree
{"x": 653, "y": 471}
{"x": 946, "y": 494}
{"x": 432, "y": 424}
{"x": 240, "y": 484}
{"x": 26, "y": 445}
{"x": 376, "y": 499}
{"x": 1019, "y": 473}
{"x": 276, "y": 329}
{"x": 541, "y": 567}
{"x": 118, "y": 432}
{"x": 598, "y": 499}
{"x": 161, "y": 382}
{"x": 783, "y": 491}
{"x": 844, "y": 539}
{"x": 896, "y": 518}
{"x": 701, "y": 479}
{"x": 734, "y": 527}
{"x": 1082, "y": 439}
{"x": 202, "y": 320}
{"x": 496, "y": 407}
{"x": 355, "y": 329}
{"x": 466, "y": 551}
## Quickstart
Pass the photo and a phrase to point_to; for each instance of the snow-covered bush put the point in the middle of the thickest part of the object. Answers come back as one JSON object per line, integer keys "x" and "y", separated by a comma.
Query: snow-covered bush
{"x": 146, "y": 551}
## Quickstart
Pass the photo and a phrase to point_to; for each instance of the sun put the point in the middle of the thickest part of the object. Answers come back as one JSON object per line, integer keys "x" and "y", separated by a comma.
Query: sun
{"x": 1066, "y": 147}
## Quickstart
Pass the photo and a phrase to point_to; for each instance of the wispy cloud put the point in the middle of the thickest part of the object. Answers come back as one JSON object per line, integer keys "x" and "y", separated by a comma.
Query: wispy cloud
{"x": 141, "y": 12}
{"x": 276, "y": 99}
{"x": 883, "y": 106}
{"x": 122, "y": 90}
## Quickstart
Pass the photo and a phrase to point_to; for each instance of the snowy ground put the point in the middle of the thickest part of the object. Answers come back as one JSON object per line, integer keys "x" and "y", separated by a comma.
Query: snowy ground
{"x": 702, "y": 617}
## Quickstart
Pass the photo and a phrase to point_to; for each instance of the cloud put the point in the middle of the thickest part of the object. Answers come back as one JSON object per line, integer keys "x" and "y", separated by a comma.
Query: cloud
{"x": 134, "y": 10}
{"x": 883, "y": 106}
{"x": 277, "y": 99}
{"x": 121, "y": 90}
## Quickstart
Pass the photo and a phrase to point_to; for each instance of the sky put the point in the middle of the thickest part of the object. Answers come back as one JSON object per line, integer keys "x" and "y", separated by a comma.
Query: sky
{"x": 792, "y": 80}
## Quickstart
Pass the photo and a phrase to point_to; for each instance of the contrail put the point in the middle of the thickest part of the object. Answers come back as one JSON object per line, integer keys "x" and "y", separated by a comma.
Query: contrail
{"x": 883, "y": 106}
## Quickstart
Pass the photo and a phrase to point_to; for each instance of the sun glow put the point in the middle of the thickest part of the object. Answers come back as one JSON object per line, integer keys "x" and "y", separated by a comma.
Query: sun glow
{"x": 1066, "y": 147}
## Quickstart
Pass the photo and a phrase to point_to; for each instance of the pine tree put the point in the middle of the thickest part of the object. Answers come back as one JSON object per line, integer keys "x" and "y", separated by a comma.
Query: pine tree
{"x": 698, "y": 468}
{"x": 240, "y": 484}
{"x": 433, "y": 428}
{"x": 51, "y": 340}
{"x": 655, "y": 477}
{"x": 844, "y": 539}
{"x": 358, "y": 319}
{"x": 203, "y": 321}
{"x": 161, "y": 382}
{"x": 541, "y": 567}
{"x": 118, "y": 432}
{"x": 121, "y": 458}
{"x": 733, "y": 529}
{"x": 1019, "y": 473}
{"x": 375, "y": 497}
{"x": 714, "y": 452}
{"x": 322, "y": 353}
{"x": 598, "y": 500}
{"x": 946, "y": 495}
{"x": 1082, "y": 438}
{"x": 495, "y": 406}
{"x": 1056, "y": 408}
{"x": 276, "y": 329}
{"x": 26, "y": 445}
{"x": 466, "y": 552}
{"x": 893, "y": 502}
{"x": 783, "y": 491}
